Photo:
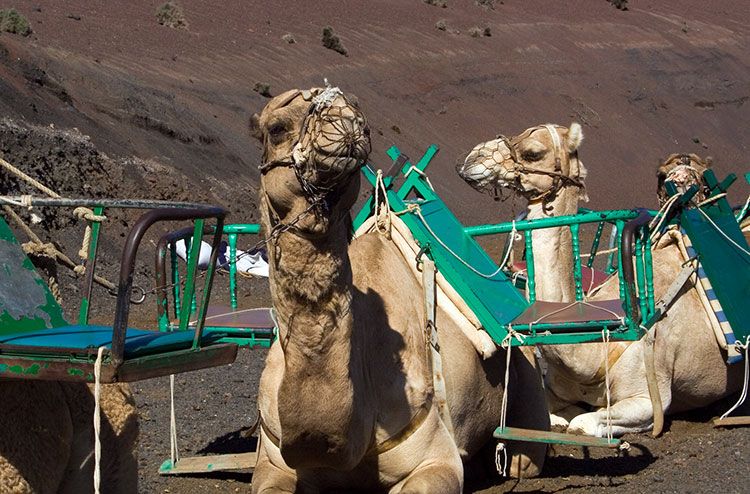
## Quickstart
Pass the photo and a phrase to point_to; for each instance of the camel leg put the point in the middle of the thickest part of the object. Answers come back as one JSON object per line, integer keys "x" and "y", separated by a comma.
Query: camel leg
{"x": 629, "y": 415}
{"x": 433, "y": 478}
{"x": 561, "y": 411}
{"x": 269, "y": 479}
{"x": 527, "y": 409}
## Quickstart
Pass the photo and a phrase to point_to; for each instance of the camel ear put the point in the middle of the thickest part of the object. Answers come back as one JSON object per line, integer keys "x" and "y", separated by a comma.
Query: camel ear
{"x": 254, "y": 125}
{"x": 352, "y": 98}
{"x": 708, "y": 162}
{"x": 575, "y": 136}
{"x": 582, "y": 172}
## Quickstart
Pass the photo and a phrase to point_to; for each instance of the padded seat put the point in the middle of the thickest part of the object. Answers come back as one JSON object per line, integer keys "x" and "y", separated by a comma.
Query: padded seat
{"x": 590, "y": 278}
{"x": 541, "y": 312}
{"x": 77, "y": 339}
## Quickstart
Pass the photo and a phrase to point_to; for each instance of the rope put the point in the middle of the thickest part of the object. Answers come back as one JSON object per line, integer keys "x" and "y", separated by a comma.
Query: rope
{"x": 97, "y": 420}
{"x": 718, "y": 229}
{"x": 421, "y": 174}
{"x": 87, "y": 214}
{"x": 573, "y": 304}
{"x": 500, "y": 449}
{"x": 174, "y": 452}
{"x": 34, "y": 183}
{"x": 605, "y": 339}
{"x": 414, "y": 208}
{"x": 656, "y": 224}
{"x": 743, "y": 394}
{"x": 384, "y": 229}
{"x": 711, "y": 199}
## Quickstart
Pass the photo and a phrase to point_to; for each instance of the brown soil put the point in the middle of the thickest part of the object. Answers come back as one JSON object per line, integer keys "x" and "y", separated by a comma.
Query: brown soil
{"x": 142, "y": 110}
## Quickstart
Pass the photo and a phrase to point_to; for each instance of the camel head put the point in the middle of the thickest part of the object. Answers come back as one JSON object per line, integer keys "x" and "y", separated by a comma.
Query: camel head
{"x": 683, "y": 170}
{"x": 535, "y": 164}
{"x": 314, "y": 142}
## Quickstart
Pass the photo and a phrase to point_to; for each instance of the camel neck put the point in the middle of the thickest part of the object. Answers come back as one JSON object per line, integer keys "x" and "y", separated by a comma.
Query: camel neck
{"x": 553, "y": 251}
{"x": 311, "y": 287}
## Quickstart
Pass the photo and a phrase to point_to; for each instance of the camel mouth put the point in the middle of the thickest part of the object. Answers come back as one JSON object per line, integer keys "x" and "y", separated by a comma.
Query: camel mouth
{"x": 335, "y": 143}
{"x": 484, "y": 167}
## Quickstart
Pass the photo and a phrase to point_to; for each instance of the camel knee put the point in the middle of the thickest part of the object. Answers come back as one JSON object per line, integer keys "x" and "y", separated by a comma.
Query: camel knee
{"x": 434, "y": 479}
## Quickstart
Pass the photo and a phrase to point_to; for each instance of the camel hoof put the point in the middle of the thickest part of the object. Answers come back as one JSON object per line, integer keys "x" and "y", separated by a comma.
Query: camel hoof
{"x": 557, "y": 423}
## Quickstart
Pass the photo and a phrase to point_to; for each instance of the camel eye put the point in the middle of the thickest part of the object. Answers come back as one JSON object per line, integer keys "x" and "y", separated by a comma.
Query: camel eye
{"x": 277, "y": 131}
{"x": 532, "y": 155}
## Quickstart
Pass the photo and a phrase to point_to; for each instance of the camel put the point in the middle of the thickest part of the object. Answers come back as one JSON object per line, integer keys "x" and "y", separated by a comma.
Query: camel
{"x": 47, "y": 443}
{"x": 690, "y": 366}
{"x": 683, "y": 170}
{"x": 346, "y": 395}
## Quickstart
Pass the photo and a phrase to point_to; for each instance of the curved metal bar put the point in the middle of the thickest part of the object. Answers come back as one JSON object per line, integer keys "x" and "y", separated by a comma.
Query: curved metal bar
{"x": 626, "y": 261}
{"x": 112, "y": 203}
{"x": 128, "y": 263}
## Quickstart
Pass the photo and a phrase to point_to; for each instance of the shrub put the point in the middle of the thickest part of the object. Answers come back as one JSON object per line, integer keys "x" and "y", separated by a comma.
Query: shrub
{"x": 170, "y": 15}
{"x": 289, "y": 38}
{"x": 263, "y": 88}
{"x": 441, "y": 25}
{"x": 478, "y": 32}
{"x": 437, "y": 3}
{"x": 13, "y": 22}
{"x": 333, "y": 42}
{"x": 487, "y": 4}
{"x": 619, "y": 4}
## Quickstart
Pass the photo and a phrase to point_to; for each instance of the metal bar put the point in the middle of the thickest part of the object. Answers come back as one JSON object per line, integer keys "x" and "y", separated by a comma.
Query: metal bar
{"x": 188, "y": 295}
{"x": 83, "y": 313}
{"x": 530, "y": 281}
{"x": 626, "y": 266}
{"x": 175, "y": 279}
{"x": 232, "y": 270}
{"x": 640, "y": 275}
{"x": 244, "y": 228}
{"x": 113, "y": 203}
{"x": 613, "y": 240}
{"x": 557, "y": 221}
{"x": 162, "y": 298}
{"x": 127, "y": 265}
{"x": 649, "y": 268}
{"x": 577, "y": 275}
{"x": 595, "y": 245}
{"x": 620, "y": 225}
{"x": 208, "y": 283}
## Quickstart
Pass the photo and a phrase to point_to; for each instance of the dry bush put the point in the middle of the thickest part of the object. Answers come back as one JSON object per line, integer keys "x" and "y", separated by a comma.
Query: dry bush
{"x": 478, "y": 32}
{"x": 619, "y": 4}
{"x": 170, "y": 14}
{"x": 333, "y": 42}
{"x": 13, "y": 22}
{"x": 263, "y": 88}
{"x": 441, "y": 25}
{"x": 437, "y": 3}
{"x": 289, "y": 38}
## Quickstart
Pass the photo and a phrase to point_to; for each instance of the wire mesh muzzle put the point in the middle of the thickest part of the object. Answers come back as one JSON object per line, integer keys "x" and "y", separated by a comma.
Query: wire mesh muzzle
{"x": 485, "y": 166}
{"x": 334, "y": 143}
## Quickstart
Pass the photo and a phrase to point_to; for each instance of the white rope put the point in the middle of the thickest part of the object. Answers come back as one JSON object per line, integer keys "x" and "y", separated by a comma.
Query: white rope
{"x": 711, "y": 200}
{"x": 617, "y": 316}
{"x": 605, "y": 339}
{"x": 421, "y": 174}
{"x": 743, "y": 211}
{"x": 174, "y": 452}
{"x": 656, "y": 223}
{"x": 716, "y": 227}
{"x": 743, "y": 395}
{"x": 500, "y": 448}
{"x": 326, "y": 97}
{"x": 97, "y": 420}
{"x": 416, "y": 209}
{"x": 26, "y": 178}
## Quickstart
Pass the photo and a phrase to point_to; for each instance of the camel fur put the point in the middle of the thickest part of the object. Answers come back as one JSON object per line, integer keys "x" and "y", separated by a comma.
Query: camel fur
{"x": 690, "y": 367}
{"x": 47, "y": 438}
{"x": 346, "y": 396}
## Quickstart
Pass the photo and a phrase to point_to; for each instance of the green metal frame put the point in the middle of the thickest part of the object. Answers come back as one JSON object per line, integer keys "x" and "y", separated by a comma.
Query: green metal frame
{"x": 416, "y": 190}
{"x": 44, "y": 315}
{"x": 249, "y": 338}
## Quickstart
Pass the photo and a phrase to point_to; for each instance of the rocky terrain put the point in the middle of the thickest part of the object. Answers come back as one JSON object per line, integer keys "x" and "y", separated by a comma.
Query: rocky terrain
{"x": 102, "y": 100}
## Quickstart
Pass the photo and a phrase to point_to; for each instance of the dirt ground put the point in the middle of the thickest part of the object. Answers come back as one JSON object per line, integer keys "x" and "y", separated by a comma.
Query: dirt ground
{"x": 101, "y": 101}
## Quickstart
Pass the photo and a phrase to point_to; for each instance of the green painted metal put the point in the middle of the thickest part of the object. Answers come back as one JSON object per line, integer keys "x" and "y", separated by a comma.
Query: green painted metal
{"x": 192, "y": 268}
{"x": 83, "y": 311}
{"x": 530, "y": 270}
{"x": 719, "y": 247}
{"x": 648, "y": 260}
{"x": 232, "y": 270}
{"x": 492, "y": 298}
{"x": 26, "y": 303}
{"x": 577, "y": 275}
{"x": 595, "y": 244}
{"x": 175, "y": 280}
{"x": 515, "y": 434}
{"x": 619, "y": 225}
{"x": 640, "y": 274}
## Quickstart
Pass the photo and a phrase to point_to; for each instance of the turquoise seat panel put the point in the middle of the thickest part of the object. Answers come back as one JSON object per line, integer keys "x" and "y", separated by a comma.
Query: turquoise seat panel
{"x": 494, "y": 300}
{"x": 138, "y": 342}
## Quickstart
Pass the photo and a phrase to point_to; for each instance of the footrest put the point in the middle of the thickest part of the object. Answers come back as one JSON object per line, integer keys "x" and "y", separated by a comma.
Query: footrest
{"x": 207, "y": 464}
{"x": 535, "y": 436}
{"x": 732, "y": 421}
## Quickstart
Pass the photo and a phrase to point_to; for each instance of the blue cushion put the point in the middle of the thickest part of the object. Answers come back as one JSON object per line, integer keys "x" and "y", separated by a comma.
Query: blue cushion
{"x": 138, "y": 342}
